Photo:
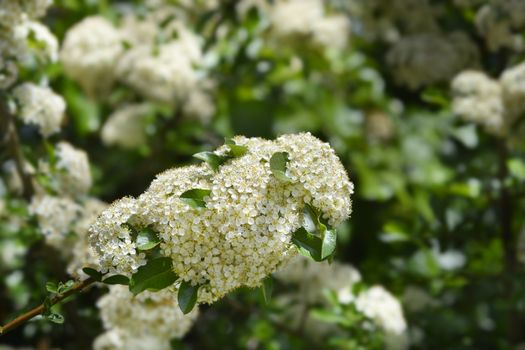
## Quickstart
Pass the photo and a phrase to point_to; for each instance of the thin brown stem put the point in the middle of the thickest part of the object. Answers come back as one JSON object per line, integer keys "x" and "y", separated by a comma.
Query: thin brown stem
{"x": 11, "y": 140}
{"x": 505, "y": 205}
{"x": 20, "y": 320}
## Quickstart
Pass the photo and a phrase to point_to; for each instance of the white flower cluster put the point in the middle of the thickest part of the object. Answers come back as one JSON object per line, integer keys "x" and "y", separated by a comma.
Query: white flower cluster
{"x": 39, "y": 105}
{"x": 478, "y": 99}
{"x": 126, "y": 127}
{"x": 18, "y": 34}
{"x": 411, "y": 57}
{"x": 382, "y": 307}
{"x": 500, "y": 23}
{"x": 55, "y": 216}
{"x": 90, "y": 52}
{"x": 155, "y": 54}
{"x": 314, "y": 24}
{"x": 73, "y": 169}
{"x": 312, "y": 278}
{"x": 494, "y": 104}
{"x": 61, "y": 215}
{"x": 150, "y": 317}
{"x": 244, "y": 232}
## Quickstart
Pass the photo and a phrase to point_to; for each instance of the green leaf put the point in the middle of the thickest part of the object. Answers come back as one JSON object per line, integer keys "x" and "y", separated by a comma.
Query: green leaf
{"x": 187, "y": 296}
{"x": 55, "y": 318}
{"x": 278, "y": 163}
{"x": 64, "y": 287}
{"x": 96, "y": 275}
{"x": 195, "y": 197}
{"x": 213, "y": 160}
{"x": 51, "y": 287}
{"x": 235, "y": 150}
{"x": 329, "y": 243}
{"x": 147, "y": 239}
{"x": 157, "y": 274}
{"x": 308, "y": 244}
{"x": 117, "y": 279}
{"x": 310, "y": 219}
{"x": 267, "y": 289}
{"x": 516, "y": 168}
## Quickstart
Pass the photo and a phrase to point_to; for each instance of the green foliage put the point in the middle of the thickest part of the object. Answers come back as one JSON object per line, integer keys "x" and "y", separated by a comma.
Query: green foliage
{"x": 278, "y": 163}
{"x": 157, "y": 274}
{"x": 147, "y": 239}
{"x": 187, "y": 296}
{"x": 195, "y": 197}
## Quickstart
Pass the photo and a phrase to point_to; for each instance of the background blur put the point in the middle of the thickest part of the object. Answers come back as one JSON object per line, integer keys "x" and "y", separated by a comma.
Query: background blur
{"x": 423, "y": 101}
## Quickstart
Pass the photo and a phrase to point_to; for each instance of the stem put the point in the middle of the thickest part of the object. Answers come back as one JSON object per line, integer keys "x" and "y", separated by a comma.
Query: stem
{"x": 506, "y": 216}
{"x": 77, "y": 288}
{"x": 8, "y": 128}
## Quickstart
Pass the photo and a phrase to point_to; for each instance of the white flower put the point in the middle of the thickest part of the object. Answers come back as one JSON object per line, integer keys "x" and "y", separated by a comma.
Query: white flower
{"x": 73, "y": 165}
{"x": 478, "y": 99}
{"x": 165, "y": 76}
{"x": 39, "y": 105}
{"x": 149, "y": 315}
{"x": 117, "y": 339}
{"x": 244, "y": 233}
{"x": 40, "y": 39}
{"x": 55, "y": 216}
{"x": 382, "y": 307}
{"x": 126, "y": 127}
{"x": 90, "y": 53}
{"x": 513, "y": 84}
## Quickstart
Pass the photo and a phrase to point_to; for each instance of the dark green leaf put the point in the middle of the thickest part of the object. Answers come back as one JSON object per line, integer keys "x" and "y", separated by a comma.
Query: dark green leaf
{"x": 51, "y": 287}
{"x": 329, "y": 243}
{"x": 96, "y": 275}
{"x": 187, "y": 297}
{"x": 278, "y": 163}
{"x": 195, "y": 197}
{"x": 117, "y": 279}
{"x": 147, "y": 239}
{"x": 157, "y": 274}
{"x": 308, "y": 244}
{"x": 213, "y": 160}
{"x": 267, "y": 288}
{"x": 55, "y": 318}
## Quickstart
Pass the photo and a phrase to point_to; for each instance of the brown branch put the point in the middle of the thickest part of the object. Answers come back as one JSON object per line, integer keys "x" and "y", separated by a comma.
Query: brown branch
{"x": 10, "y": 138}
{"x": 77, "y": 288}
{"x": 505, "y": 205}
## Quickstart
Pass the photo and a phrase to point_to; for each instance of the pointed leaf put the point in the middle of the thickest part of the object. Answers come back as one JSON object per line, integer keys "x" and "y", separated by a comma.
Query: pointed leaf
{"x": 96, "y": 275}
{"x": 329, "y": 243}
{"x": 267, "y": 289}
{"x": 235, "y": 149}
{"x": 55, "y": 318}
{"x": 51, "y": 287}
{"x": 278, "y": 163}
{"x": 157, "y": 274}
{"x": 213, "y": 160}
{"x": 195, "y": 197}
{"x": 117, "y": 279}
{"x": 310, "y": 219}
{"x": 187, "y": 296}
{"x": 147, "y": 239}
{"x": 308, "y": 244}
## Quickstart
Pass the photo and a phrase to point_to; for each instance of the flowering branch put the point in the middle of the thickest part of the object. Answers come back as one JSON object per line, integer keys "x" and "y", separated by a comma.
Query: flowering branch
{"x": 76, "y": 288}
{"x": 10, "y": 138}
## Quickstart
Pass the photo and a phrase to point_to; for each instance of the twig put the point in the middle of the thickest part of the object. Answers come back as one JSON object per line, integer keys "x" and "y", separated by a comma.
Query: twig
{"x": 509, "y": 248}
{"x": 10, "y": 138}
{"x": 77, "y": 288}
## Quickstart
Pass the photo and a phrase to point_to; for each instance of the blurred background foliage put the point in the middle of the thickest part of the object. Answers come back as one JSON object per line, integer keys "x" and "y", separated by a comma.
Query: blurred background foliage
{"x": 438, "y": 207}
